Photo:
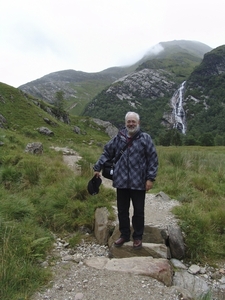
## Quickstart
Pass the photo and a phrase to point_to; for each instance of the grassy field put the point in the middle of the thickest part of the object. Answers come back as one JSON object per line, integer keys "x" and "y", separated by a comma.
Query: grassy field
{"x": 195, "y": 176}
{"x": 40, "y": 195}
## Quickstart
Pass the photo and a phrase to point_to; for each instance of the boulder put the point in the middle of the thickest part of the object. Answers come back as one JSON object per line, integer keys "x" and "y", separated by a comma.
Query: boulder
{"x": 76, "y": 129}
{"x": 194, "y": 284}
{"x": 34, "y": 148}
{"x": 148, "y": 249}
{"x": 160, "y": 268}
{"x": 110, "y": 129}
{"x": 46, "y": 131}
{"x": 101, "y": 229}
{"x": 176, "y": 242}
{"x": 155, "y": 234}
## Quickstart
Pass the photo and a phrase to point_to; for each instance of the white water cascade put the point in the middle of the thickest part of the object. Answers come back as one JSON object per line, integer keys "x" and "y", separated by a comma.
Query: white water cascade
{"x": 178, "y": 111}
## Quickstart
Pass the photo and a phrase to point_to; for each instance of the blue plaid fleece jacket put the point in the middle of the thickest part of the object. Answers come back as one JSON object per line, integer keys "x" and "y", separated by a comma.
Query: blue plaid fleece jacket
{"x": 138, "y": 163}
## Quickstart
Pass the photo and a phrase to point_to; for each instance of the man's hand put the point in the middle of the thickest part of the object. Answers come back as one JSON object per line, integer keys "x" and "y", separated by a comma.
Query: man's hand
{"x": 97, "y": 174}
{"x": 148, "y": 185}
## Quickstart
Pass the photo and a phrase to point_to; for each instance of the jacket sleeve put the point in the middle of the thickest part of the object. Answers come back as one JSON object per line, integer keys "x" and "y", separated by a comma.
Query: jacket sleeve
{"x": 151, "y": 159}
{"x": 108, "y": 154}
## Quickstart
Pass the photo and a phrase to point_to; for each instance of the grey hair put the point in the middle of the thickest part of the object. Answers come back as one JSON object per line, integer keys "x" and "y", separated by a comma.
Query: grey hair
{"x": 132, "y": 113}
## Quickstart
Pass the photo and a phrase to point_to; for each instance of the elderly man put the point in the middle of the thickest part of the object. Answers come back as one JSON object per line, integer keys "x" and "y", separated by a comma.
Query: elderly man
{"x": 133, "y": 175}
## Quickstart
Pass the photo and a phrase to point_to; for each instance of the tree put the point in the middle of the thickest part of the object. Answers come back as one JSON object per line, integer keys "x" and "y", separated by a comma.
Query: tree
{"x": 164, "y": 139}
{"x": 176, "y": 138}
{"x": 207, "y": 139}
{"x": 219, "y": 140}
{"x": 170, "y": 137}
{"x": 190, "y": 140}
{"x": 59, "y": 102}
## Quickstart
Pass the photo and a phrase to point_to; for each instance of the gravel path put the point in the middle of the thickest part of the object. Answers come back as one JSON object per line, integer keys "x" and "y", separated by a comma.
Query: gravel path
{"x": 76, "y": 281}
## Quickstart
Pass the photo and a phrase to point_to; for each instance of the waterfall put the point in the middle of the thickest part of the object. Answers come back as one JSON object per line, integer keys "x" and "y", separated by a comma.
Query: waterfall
{"x": 178, "y": 111}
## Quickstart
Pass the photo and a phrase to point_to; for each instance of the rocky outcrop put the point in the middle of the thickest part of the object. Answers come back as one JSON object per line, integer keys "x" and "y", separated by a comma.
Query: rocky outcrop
{"x": 59, "y": 115}
{"x": 109, "y": 128}
{"x": 3, "y": 121}
{"x": 146, "y": 83}
{"x": 213, "y": 64}
{"x": 50, "y": 122}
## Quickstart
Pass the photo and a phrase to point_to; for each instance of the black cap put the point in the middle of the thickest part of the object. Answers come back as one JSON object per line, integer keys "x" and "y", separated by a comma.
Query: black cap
{"x": 93, "y": 185}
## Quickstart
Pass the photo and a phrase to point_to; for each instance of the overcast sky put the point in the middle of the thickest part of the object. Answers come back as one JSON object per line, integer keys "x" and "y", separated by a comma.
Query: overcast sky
{"x": 38, "y": 37}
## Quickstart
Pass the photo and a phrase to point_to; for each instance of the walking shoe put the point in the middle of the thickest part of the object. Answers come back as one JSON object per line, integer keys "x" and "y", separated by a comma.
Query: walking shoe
{"x": 120, "y": 242}
{"x": 137, "y": 244}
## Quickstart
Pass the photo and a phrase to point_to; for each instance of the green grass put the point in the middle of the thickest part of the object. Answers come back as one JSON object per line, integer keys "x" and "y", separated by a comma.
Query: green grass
{"x": 40, "y": 195}
{"x": 195, "y": 176}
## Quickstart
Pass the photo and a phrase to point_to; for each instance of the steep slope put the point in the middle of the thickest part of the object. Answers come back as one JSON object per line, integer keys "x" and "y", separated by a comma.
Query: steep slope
{"x": 25, "y": 114}
{"x": 18, "y": 109}
{"x": 149, "y": 88}
{"x": 205, "y": 95}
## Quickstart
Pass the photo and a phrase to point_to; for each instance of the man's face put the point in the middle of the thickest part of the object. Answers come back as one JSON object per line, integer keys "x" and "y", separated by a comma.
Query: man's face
{"x": 132, "y": 124}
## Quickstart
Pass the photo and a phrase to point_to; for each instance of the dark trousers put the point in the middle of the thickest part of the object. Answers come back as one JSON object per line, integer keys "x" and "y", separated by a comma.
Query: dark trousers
{"x": 123, "y": 205}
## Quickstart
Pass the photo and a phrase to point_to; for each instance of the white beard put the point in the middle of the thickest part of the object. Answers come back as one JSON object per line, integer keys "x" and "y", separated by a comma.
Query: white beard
{"x": 133, "y": 130}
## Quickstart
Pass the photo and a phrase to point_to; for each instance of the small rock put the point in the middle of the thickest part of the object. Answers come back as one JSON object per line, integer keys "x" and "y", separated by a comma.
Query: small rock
{"x": 194, "y": 269}
{"x": 78, "y": 296}
{"x": 222, "y": 280}
{"x": 178, "y": 264}
{"x": 202, "y": 270}
{"x": 68, "y": 258}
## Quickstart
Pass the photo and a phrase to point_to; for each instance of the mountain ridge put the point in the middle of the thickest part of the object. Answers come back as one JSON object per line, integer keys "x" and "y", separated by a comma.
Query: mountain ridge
{"x": 80, "y": 87}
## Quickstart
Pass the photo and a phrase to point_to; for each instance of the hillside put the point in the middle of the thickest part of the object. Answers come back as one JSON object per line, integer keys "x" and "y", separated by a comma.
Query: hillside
{"x": 150, "y": 89}
{"x": 78, "y": 87}
{"x": 25, "y": 114}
